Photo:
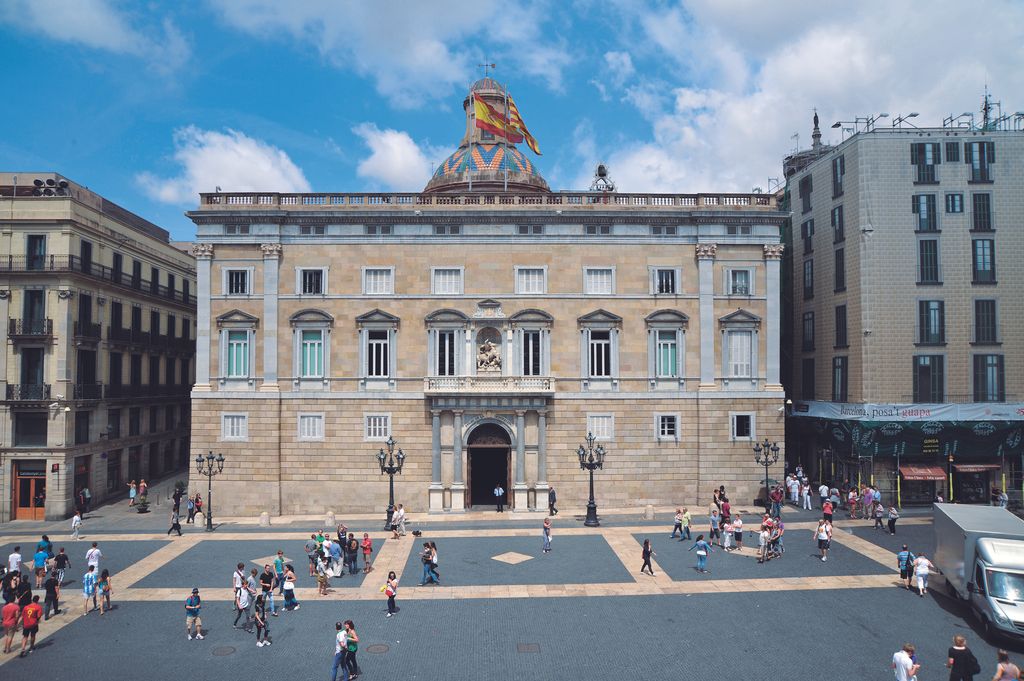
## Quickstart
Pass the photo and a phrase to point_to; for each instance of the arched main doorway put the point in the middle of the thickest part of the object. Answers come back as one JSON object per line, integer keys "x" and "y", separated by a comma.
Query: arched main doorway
{"x": 489, "y": 459}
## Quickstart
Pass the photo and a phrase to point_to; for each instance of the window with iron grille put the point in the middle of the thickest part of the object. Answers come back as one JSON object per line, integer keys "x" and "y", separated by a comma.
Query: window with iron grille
{"x": 530, "y": 230}
{"x": 668, "y": 426}
{"x": 739, "y": 283}
{"x": 447, "y": 229}
{"x": 929, "y": 378}
{"x": 931, "y": 322}
{"x": 985, "y": 329}
{"x": 952, "y": 152}
{"x": 925, "y": 156}
{"x": 312, "y": 281}
{"x": 238, "y": 282}
{"x": 378, "y": 230}
{"x": 598, "y": 229}
{"x": 981, "y": 212}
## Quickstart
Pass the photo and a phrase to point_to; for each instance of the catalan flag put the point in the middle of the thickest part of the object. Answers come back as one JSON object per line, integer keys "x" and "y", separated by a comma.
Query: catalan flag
{"x": 489, "y": 119}
{"x": 516, "y": 123}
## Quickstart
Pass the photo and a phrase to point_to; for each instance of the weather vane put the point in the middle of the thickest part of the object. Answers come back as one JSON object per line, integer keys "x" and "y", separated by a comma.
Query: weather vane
{"x": 487, "y": 68}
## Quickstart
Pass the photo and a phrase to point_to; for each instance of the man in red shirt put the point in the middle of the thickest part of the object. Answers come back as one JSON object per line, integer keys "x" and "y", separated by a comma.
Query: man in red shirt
{"x": 30, "y": 616}
{"x": 10, "y": 614}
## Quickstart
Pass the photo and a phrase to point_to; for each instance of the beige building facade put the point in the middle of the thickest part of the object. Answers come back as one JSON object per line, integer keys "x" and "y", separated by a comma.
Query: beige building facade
{"x": 97, "y": 341}
{"x": 488, "y": 331}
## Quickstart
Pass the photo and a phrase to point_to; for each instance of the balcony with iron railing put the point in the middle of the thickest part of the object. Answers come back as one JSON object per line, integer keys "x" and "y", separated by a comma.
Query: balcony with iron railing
{"x": 27, "y": 392}
{"x": 27, "y": 329}
{"x": 73, "y": 264}
{"x": 87, "y": 330}
{"x": 88, "y": 391}
{"x": 121, "y": 391}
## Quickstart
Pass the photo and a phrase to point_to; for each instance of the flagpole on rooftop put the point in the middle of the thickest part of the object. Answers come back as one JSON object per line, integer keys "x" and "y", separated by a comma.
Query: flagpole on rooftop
{"x": 472, "y": 132}
{"x": 504, "y": 144}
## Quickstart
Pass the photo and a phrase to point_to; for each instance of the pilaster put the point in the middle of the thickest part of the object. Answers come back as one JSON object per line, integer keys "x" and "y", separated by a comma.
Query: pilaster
{"x": 436, "y": 493}
{"x": 203, "y": 253}
{"x": 271, "y": 264}
{"x": 706, "y": 294}
{"x": 458, "y": 483}
{"x": 519, "y": 489}
{"x": 773, "y": 271}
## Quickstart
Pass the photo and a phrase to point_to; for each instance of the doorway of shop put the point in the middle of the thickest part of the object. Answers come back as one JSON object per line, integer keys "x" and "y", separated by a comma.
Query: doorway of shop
{"x": 489, "y": 458}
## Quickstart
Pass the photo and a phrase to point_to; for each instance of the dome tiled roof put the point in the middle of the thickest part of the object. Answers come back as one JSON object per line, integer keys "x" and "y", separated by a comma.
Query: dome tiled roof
{"x": 486, "y": 83}
{"x": 485, "y": 157}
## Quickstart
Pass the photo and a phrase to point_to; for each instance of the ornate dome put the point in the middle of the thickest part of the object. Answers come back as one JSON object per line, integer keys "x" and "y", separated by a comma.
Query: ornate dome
{"x": 486, "y": 157}
{"x": 486, "y": 84}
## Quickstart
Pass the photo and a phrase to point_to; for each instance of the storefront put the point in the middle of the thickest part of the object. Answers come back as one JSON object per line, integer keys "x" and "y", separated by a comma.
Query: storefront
{"x": 920, "y": 483}
{"x": 29, "y": 494}
{"x": 973, "y": 482}
{"x": 83, "y": 468}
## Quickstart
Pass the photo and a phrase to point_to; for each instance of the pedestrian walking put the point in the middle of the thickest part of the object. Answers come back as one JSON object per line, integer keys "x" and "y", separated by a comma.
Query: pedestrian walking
{"x": 279, "y": 571}
{"x": 175, "y": 522}
{"x": 426, "y": 557}
{"x": 93, "y": 556}
{"x": 398, "y": 522}
{"x": 922, "y": 568}
{"x": 89, "y": 588}
{"x": 51, "y": 602}
{"x": 1005, "y": 670}
{"x": 391, "y": 590}
{"x": 352, "y": 640}
{"x": 76, "y": 525}
{"x": 10, "y": 615}
{"x": 805, "y": 493}
{"x": 728, "y": 532}
{"x": 823, "y": 494}
{"x": 289, "y": 588}
{"x": 737, "y": 529}
{"x": 39, "y": 566}
{"x": 905, "y": 561}
{"x": 826, "y": 510}
{"x": 893, "y": 517}
{"x": 551, "y": 501}
{"x": 199, "y": 506}
{"x": 546, "y": 535}
{"x": 499, "y": 497}
{"x": 878, "y": 513}
{"x": 243, "y": 606}
{"x": 267, "y": 583}
{"x": 321, "y": 573}
{"x": 646, "y": 552}
{"x": 823, "y": 534}
{"x": 61, "y": 562}
{"x": 962, "y": 663}
{"x": 193, "y": 604}
{"x": 367, "y": 545}
{"x": 30, "y": 616}
{"x": 677, "y": 524}
{"x": 133, "y": 490}
{"x": 311, "y": 548}
{"x": 340, "y": 651}
{"x": 104, "y": 590}
{"x": 903, "y": 663}
{"x": 687, "y": 521}
{"x": 433, "y": 563}
{"x": 45, "y": 545}
{"x": 262, "y": 626}
{"x": 703, "y": 550}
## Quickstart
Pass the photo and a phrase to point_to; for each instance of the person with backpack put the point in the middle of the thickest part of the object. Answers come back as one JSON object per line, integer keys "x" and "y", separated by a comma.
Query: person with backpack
{"x": 962, "y": 663}
{"x": 905, "y": 561}
{"x": 193, "y": 604}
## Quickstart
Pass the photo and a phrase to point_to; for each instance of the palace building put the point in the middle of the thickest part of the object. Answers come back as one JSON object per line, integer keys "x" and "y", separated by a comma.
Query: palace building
{"x": 488, "y": 324}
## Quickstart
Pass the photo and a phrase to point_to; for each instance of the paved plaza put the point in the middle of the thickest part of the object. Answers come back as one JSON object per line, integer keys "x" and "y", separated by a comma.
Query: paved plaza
{"x": 581, "y": 611}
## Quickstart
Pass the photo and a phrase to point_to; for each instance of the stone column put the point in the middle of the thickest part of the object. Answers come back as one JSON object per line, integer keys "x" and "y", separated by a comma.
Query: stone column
{"x": 436, "y": 493}
{"x": 519, "y": 489}
{"x": 773, "y": 271}
{"x": 458, "y": 484}
{"x": 203, "y": 253}
{"x": 706, "y": 278}
{"x": 542, "y": 451}
{"x": 271, "y": 262}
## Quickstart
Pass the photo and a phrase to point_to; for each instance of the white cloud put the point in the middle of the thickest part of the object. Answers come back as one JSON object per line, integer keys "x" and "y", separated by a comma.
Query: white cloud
{"x": 228, "y": 159}
{"x": 99, "y": 24}
{"x": 416, "y": 51}
{"x": 395, "y": 162}
{"x": 619, "y": 67}
{"x": 742, "y": 82}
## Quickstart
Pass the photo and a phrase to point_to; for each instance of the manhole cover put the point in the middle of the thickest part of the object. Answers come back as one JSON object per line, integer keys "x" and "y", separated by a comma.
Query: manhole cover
{"x": 527, "y": 647}
{"x": 223, "y": 651}
{"x": 378, "y": 648}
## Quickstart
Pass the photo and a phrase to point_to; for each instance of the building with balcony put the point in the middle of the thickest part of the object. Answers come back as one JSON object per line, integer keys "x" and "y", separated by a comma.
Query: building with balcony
{"x": 904, "y": 354}
{"x": 97, "y": 347}
{"x": 488, "y": 331}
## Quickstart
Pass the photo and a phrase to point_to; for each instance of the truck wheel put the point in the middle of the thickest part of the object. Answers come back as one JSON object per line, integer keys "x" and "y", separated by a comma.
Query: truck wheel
{"x": 987, "y": 632}
{"x": 951, "y": 590}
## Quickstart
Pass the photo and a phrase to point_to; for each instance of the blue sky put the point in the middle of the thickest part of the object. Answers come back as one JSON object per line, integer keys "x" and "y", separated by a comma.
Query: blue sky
{"x": 148, "y": 103}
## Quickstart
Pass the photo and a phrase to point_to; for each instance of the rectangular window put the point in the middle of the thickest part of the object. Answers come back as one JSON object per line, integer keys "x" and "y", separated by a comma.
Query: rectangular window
{"x": 667, "y": 426}
{"x": 154, "y": 280}
{"x": 599, "y": 280}
{"x": 806, "y": 187}
{"x": 234, "y": 427}
{"x": 739, "y": 283}
{"x": 663, "y": 230}
{"x": 923, "y": 206}
{"x": 742, "y": 426}
{"x": 446, "y": 353}
{"x": 931, "y": 322}
{"x": 954, "y": 203}
{"x": 952, "y": 152}
{"x": 807, "y": 341}
{"x": 980, "y": 156}
{"x": 312, "y": 230}
{"x": 447, "y": 281}
{"x": 532, "y": 358}
{"x": 807, "y": 378}
{"x": 378, "y": 281}
{"x": 238, "y": 354}
{"x": 984, "y": 261}
{"x": 807, "y": 234}
{"x": 925, "y": 156}
{"x": 840, "y": 270}
{"x": 134, "y": 421}
{"x": 527, "y": 230}
{"x": 839, "y": 379}
{"x": 838, "y": 173}
{"x": 30, "y": 428}
{"x": 312, "y": 282}
{"x": 600, "y": 353}
{"x": 985, "y": 328}
{"x": 238, "y": 282}
{"x": 929, "y": 378}
{"x": 602, "y": 426}
{"x": 928, "y": 261}
{"x": 841, "y": 338}
{"x": 35, "y": 251}
{"x": 377, "y": 354}
{"x": 82, "y": 419}
{"x": 988, "y": 378}
{"x": 311, "y": 426}
{"x": 312, "y": 353}
{"x": 378, "y": 230}
{"x": 531, "y": 281}
{"x": 136, "y": 274}
{"x": 838, "y": 225}
{"x": 172, "y": 285}
{"x": 808, "y": 279}
{"x": 740, "y": 354}
{"x": 739, "y": 230}
{"x": 981, "y": 212}
{"x": 667, "y": 353}
{"x": 447, "y": 229}
{"x": 665, "y": 280}
{"x": 598, "y": 229}
{"x": 377, "y": 426}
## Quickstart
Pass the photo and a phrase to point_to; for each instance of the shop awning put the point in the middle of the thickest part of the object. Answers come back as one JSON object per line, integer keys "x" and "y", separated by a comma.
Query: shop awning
{"x": 922, "y": 473}
{"x": 975, "y": 467}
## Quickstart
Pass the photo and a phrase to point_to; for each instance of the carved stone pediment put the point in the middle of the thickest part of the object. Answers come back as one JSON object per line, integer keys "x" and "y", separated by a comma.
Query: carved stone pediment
{"x": 311, "y": 316}
{"x": 377, "y": 316}
{"x": 532, "y": 316}
{"x": 666, "y": 316}
{"x": 600, "y": 317}
{"x": 237, "y": 318}
{"x": 488, "y": 309}
{"x": 740, "y": 318}
{"x": 446, "y": 316}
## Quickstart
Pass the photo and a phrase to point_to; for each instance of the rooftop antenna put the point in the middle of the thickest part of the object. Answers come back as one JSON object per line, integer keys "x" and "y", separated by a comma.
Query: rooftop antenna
{"x": 487, "y": 67}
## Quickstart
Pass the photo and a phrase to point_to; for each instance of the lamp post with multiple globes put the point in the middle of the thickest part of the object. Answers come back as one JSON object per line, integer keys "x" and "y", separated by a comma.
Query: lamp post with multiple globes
{"x": 591, "y": 457}
{"x": 209, "y": 466}
{"x": 390, "y": 464}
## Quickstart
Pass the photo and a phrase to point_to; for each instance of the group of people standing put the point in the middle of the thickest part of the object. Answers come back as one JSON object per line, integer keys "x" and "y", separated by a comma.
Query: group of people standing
{"x": 963, "y": 665}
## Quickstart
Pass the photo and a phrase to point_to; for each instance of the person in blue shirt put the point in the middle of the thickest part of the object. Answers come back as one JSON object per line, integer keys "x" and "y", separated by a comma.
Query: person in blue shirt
{"x": 39, "y": 563}
{"x": 45, "y": 545}
{"x": 89, "y": 588}
{"x": 193, "y": 604}
{"x": 905, "y": 561}
{"x": 703, "y": 549}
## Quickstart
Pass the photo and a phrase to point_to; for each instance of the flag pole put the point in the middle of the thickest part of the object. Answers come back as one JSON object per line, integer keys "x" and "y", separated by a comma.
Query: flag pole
{"x": 469, "y": 150}
{"x": 504, "y": 155}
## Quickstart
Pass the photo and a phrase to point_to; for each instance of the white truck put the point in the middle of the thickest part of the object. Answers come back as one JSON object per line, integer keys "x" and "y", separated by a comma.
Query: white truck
{"x": 980, "y": 550}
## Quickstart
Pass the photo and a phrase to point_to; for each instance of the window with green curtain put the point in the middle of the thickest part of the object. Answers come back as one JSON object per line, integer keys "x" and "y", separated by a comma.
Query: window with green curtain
{"x": 238, "y": 354}
{"x": 312, "y": 354}
{"x": 667, "y": 354}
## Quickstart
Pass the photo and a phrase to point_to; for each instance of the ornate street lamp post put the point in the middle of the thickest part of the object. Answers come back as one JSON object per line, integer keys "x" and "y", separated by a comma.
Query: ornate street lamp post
{"x": 766, "y": 454}
{"x": 209, "y": 466}
{"x": 591, "y": 457}
{"x": 390, "y": 464}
